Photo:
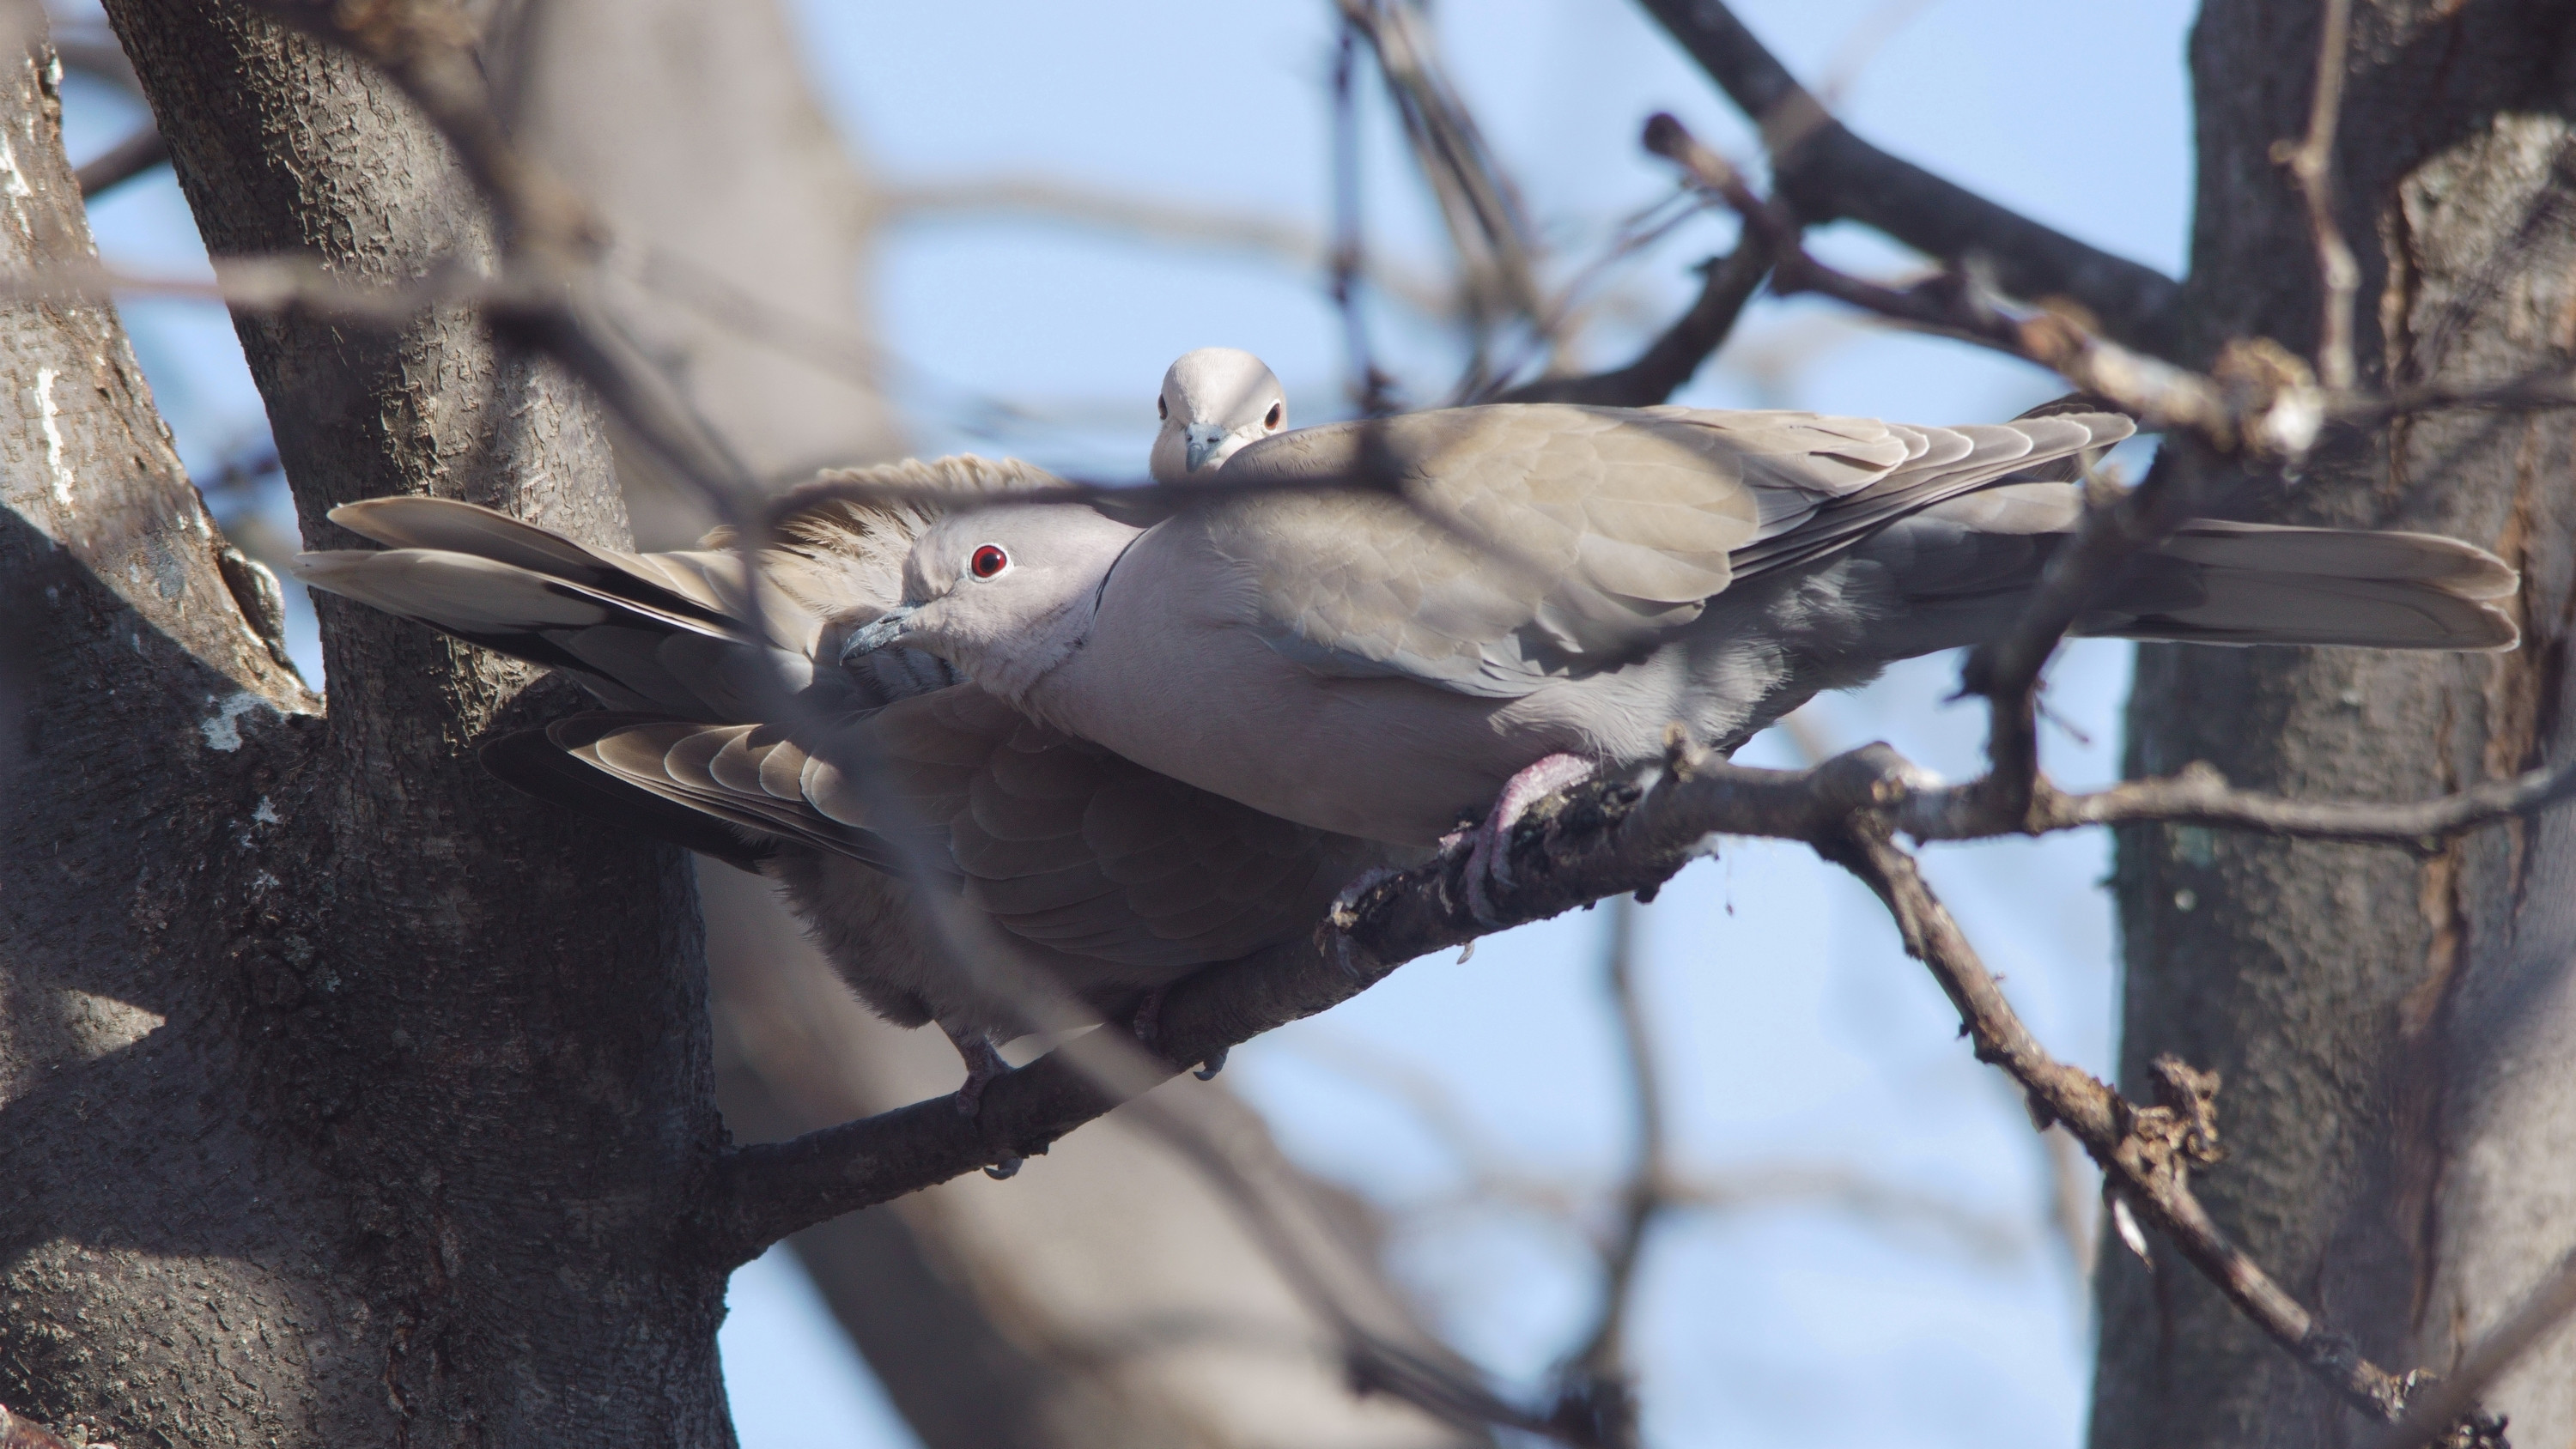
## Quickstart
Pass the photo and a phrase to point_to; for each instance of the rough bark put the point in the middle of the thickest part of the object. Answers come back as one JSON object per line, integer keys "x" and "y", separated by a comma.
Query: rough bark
{"x": 349, "y": 1098}
{"x": 2393, "y": 1031}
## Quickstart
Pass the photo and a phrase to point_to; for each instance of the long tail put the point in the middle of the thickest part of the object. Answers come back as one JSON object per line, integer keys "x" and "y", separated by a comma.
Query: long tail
{"x": 642, "y": 632}
{"x": 2249, "y": 583}
{"x": 1960, "y": 571}
{"x": 661, "y": 632}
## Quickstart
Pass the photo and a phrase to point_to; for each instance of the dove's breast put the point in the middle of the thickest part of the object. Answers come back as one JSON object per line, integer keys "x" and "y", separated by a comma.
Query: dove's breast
{"x": 1384, "y": 759}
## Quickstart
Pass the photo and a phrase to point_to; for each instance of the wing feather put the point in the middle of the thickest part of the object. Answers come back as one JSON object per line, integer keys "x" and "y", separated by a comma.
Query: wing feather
{"x": 1542, "y": 541}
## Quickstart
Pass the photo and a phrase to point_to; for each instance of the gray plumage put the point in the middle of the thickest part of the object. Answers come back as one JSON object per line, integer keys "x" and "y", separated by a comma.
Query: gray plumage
{"x": 1574, "y": 579}
{"x": 1113, "y": 880}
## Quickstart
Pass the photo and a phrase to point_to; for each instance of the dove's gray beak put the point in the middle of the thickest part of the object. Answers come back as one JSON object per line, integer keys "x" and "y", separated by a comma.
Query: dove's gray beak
{"x": 885, "y": 629}
{"x": 1203, "y": 439}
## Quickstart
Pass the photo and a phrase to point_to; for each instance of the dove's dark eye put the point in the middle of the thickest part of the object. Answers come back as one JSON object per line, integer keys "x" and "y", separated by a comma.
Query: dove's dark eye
{"x": 987, "y": 560}
{"x": 1278, "y": 413}
{"x": 1162, "y": 408}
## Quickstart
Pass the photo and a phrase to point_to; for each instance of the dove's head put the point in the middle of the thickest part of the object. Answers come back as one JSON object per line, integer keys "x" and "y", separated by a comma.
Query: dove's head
{"x": 1004, "y": 594}
{"x": 1214, "y": 401}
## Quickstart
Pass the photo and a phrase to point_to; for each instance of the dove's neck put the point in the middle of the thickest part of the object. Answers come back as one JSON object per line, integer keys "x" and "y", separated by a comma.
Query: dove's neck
{"x": 1016, "y": 670}
{"x": 1016, "y": 674}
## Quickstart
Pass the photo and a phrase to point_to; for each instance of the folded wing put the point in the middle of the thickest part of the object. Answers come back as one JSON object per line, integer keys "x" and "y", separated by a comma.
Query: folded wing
{"x": 1544, "y": 541}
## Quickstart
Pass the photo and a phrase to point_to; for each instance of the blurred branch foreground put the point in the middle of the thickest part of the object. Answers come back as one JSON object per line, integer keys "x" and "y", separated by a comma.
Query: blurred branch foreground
{"x": 311, "y": 1132}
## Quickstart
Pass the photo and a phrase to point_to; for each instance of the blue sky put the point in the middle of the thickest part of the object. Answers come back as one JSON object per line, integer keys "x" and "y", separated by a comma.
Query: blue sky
{"x": 1794, "y": 1032}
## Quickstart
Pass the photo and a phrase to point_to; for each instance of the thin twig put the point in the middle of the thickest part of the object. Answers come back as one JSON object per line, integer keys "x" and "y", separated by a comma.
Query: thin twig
{"x": 122, "y": 162}
{"x": 1669, "y": 361}
{"x": 1488, "y": 228}
{"x": 2311, "y": 164}
{"x": 2148, "y": 1152}
{"x": 1598, "y": 1370}
{"x": 2452, "y": 1401}
{"x": 1261, "y": 1195}
{"x": 1158, "y": 220}
{"x": 2258, "y": 401}
{"x": 1829, "y": 174}
{"x": 1371, "y": 390}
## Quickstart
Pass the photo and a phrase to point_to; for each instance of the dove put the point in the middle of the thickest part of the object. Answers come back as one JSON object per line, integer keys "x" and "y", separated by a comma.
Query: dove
{"x": 1213, "y": 402}
{"x": 1557, "y": 585}
{"x": 1109, "y": 880}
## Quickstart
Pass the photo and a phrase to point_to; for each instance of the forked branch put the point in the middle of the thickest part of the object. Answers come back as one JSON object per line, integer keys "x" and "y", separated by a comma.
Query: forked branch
{"x": 1829, "y": 174}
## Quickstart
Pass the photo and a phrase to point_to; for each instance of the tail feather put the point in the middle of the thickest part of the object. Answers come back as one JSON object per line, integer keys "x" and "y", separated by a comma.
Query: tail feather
{"x": 2243, "y": 583}
{"x": 629, "y": 642}
{"x": 664, "y": 632}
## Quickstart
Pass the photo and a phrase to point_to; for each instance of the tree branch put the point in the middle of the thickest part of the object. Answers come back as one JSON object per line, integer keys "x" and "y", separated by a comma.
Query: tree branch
{"x": 2436, "y": 1416}
{"x": 1830, "y": 174}
{"x": 1727, "y": 283}
{"x": 2311, "y": 164}
{"x": 1601, "y": 839}
{"x": 1597, "y": 1374}
{"x": 1157, "y": 220}
{"x": 122, "y": 162}
{"x": 2257, "y": 399}
{"x": 2146, "y": 1152}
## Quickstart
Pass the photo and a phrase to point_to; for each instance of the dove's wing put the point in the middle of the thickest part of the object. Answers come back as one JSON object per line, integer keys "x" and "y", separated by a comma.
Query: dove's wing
{"x": 1059, "y": 841}
{"x": 1548, "y": 541}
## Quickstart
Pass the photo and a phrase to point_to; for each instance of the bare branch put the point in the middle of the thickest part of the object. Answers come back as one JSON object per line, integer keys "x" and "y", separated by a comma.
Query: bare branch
{"x": 1829, "y": 174}
{"x": 1601, "y": 839}
{"x": 2311, "y": 163}
{"x": 2434, "y": 1415}
{"x": 2548, "y": 389}
{"x": 2259, "y": 399}
{"x": 2199, "y": 795}
{"x": 122, "y": 162}
{"x": 1668, "y": 362}
{"x": 1265, "y": 1193}
{"x": 1602, "y": 1358}
{"x": 1489, "y": 230}
{"x": 1154, "y": 219}
{"x": 2147, "y": 1152}
{"x": 1371, "y": 390}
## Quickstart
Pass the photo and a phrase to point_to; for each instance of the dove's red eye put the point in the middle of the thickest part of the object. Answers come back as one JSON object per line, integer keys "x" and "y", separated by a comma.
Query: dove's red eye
{"x": 987, "y": 560}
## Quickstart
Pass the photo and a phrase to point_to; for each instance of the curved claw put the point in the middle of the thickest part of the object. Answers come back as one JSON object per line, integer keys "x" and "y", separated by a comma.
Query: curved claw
{"x": 983, "y": 1063}
{"x": 1214, "y": 1064}
{"x": 1004, "y": 1170}
{"x": 1489, "y": 863}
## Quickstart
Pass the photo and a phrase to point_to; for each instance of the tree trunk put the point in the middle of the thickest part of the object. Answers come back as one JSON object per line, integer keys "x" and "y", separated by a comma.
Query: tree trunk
{"x": 349, "y": 1097}
{"x": 2395, "y": 1033}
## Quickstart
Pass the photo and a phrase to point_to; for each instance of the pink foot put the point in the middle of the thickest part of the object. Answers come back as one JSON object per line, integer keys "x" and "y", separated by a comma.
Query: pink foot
{"x": 1488, "y": 860}
{"x": 983, "y": 1063}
